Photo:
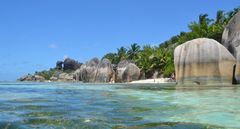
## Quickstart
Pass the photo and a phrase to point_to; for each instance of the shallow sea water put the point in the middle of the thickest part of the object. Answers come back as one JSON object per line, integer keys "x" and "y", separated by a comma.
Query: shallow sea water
{"x": 76, "y": 105}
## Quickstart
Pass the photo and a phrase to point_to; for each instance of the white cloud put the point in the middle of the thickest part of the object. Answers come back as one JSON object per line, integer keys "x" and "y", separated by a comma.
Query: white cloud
{"x": 52, "y": 46}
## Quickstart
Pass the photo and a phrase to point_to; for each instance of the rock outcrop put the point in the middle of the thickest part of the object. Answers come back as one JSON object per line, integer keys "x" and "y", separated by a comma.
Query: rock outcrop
{"x": 231, "y": 35}
{"x": 127, "y": 71}
{"x": 66, "y": 77}
{"x": 39, "y": 78}
{"x": 203, "y": 61}
{"x": 95, "y": 71}
{"x": 88, "y": 71}
{"x": 231, "y": 40}
{"x": 54, "y": 79}
{"x": 121, "y": 68}
{"x": 64, "y": 71}
{"x": 70, "y": 64}
{"x": 237, "y": 70}
{"x": 105, "y": 72}
{"x": 76, "y": 75}
{"x": 59, "y": 65}
{"x": 30, "y": 77}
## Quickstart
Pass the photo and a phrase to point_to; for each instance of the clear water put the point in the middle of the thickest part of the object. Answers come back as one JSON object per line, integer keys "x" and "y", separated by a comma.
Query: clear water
{"x": 64, "y": 105}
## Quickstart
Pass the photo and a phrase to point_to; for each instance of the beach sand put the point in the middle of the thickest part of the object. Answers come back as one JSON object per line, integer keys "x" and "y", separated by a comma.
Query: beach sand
{"x": 157, "y": 80}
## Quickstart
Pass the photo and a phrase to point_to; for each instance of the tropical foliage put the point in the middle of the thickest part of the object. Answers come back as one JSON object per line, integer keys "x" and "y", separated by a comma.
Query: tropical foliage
{"x": 47, "y": 74}
{"x": 160, "y": 58}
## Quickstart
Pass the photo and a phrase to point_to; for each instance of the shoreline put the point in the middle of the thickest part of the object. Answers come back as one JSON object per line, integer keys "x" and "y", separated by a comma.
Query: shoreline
{"x": 145, "y": 81}
{"x": 157, "y": 81}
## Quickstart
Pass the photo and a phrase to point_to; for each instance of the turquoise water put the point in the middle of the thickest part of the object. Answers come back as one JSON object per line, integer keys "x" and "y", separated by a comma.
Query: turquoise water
{"x": 65, "y": 105}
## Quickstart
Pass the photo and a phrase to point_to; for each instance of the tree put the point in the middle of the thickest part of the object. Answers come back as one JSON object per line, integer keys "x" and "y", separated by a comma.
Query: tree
{"x": 133, "y": 51}
{"x": 121, "y": 54}
{"x": 144, "y": 62}
{"x": 161, "y": 58}
{"x": 112, "y": 57}
{"x": 232, "y": 13}
{"x": 220, "y": 18}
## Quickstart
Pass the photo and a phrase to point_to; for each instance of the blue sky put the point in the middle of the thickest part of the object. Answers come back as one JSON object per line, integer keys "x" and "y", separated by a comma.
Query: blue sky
{"x": 34, "y": 34}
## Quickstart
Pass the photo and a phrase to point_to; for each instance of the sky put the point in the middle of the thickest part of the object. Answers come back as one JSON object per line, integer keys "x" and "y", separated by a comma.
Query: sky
{"x": 34, "y": 34}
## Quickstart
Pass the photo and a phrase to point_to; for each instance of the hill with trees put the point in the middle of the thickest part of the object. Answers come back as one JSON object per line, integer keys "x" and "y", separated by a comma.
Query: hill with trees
{"x": 152, "y": 59}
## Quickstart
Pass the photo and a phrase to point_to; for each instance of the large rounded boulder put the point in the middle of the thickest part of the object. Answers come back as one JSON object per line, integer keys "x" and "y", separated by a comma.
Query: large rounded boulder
{"x": 127, "y": 71}
{"x": 66, "y": 77}
{"x": 204, "y": 62}
{"x": 96, "y": 71}
{"x": 105, "y": 72}
{"x": 77, "y": 74}
{"x": 88, "y": 70}
{"x": 131, "y": 73}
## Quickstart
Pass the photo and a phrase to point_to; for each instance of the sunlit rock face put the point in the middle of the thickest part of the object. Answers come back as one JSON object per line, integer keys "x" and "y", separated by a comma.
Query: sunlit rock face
{"x": 95, "y": 71}
{"x": 131, "y": 73}
{"x": 203, "y": 62}
{"x": 231, "y": 35}
{"x": 231, "y": 40}
{"x": 66, "y": 77}
{"x": 88, "y": 70}
{"x": 127, "y": 71}
{"x": 105, "y": 72}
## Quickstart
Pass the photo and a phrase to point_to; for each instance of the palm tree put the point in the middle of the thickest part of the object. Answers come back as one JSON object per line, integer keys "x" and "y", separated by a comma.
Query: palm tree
{"x": 144, "y": 62}
{"x": 220, "y": 18}
{"x": 121, "y": 54}
{"x": 133, "y": 51}
{"x": 111, "y": 57}
{"x": 232, "y": 13}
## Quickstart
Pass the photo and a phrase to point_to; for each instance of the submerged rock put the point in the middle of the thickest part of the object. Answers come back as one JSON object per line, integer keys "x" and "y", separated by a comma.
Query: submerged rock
{"x": 203, "y": 61}
{"x": 169, "y": 125}
{"x": 127, "y": 71}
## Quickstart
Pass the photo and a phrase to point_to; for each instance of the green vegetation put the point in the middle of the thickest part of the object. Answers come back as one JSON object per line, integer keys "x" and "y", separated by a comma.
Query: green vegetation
{"x": 47, "y": 74}
{"x": 159, "y": 59}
